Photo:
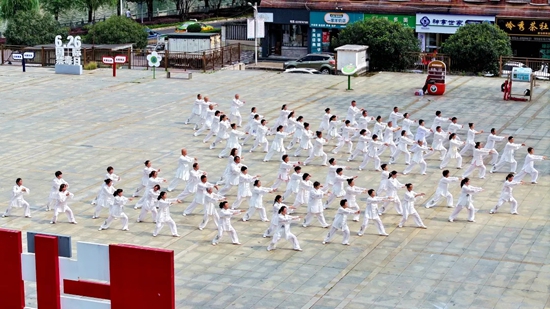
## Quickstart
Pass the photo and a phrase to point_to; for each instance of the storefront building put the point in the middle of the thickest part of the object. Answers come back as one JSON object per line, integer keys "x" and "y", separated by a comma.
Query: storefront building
{"x": 434, "y": 29}
{"x": 286, "y": 32}
{"x": 530, "y": 37}
{"x": 325, "y": 26}
{"x": 409, "y": 21}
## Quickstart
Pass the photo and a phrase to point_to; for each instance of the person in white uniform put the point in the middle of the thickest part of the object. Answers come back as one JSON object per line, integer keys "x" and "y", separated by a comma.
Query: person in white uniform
{"x": 145, "y": 177}
{"x": 151, "y": 182}
{"x": 529, "y": 166}
{"x": 325, "y": 120}
{"x": 234, "y": 111}
{"x": 392, "y": 186}
{"x": 437, "y": 144}
{"x": 164, "y": 214}
{"x": 315, "y": 205}
{"x": 379, "y": 127}
{"x": 338, "y": 188}
{"x": 492, "y": 138}
{"x": 205, "y": 108}
{"x": 54, "y": 191}
{"x": 222, "y": 133}
{"x": 384, "y": 178}
{"x": 208, "y": 119}
{"x": 214, "y": 128}
{"x": 257, "y": 201}
{"x": 110, "y": 175}
{"x": 210, "y": 201}
{"x": 347, "y": 133}
{"x": 352, "y": 113}
{"x": 372, "y": 213}
{"x": 508, "y": 156}
{"x": 278, "y": 144}
{"x": 506, "y": 195}
{"x": 318, "y": 151}
{"x": 224, "y": 225}
{"x": 196, "y": 111}
{"x": 244, "y": 191}
{"x": 261, "y": 137}
{"x": 363, "y": 124}
{"x": 418, "y": 151}
{"x": 63, "y": 195}
{"x": 454, "y": 126}
{"x": 232, "y": 141}
{"x": 116, "y": 211}
{"x": 293, "y": 183}
{"x": 150, "y": 204}
{"x": 333, "y": 128}
{"x": 395, "y": 116}
{"x": 283, "y": 229}
{"x": 351, "y": 196}
{"x": 252, "y": 128}
{"x": 251, "y": 117}
{"x": 372, "y": 153}
{"x": 182, "y": 172}
{"x": 194, "y": 179}
{"x": 298, "y": 131}
{"x": 232, "y": 176}
{"x": 362, "y": 145}
{"x": 470, "y": 139}
{"x": 305, "y": 186}
{"x": 106, "y": 198}
{"x": 331, "y": 174}
{"x": 277, "y": 204}
{"x": 305, "y": 141}
{"x": 389, "y": 139}
{"x": 439, "y": 121}
{"x": 442, "y": 190}
{"x": 477, "y": 161}
{"x": 199, "y": 196}
{"x": 422, "y": 132}
{"x": 340, "y": 223}
{"x": 465, "y": 200}
{"x": 408, "y": 207}
{"x": 453, "y": 153}
{"x": 402, "y": 148}
{"x": 284, "y": 168}
{"x": 407, "y": 123}
{"x": 282, "y": 120}
{"x": 17, "y": 200}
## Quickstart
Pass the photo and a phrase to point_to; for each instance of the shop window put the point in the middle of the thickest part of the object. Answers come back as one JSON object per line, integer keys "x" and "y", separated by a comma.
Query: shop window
{"x": 295, "y": 35}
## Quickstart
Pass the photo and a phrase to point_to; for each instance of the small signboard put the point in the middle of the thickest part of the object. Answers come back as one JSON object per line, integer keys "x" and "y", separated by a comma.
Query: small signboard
{"x": 28, "y": 55}
{"x": 17, "y": 56}
{"x": 108, "y": 60}
{"x": 120, "y": 59}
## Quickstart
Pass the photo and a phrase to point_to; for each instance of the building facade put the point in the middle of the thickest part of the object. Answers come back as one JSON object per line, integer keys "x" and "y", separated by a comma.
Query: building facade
{"x": 300, "y": 27}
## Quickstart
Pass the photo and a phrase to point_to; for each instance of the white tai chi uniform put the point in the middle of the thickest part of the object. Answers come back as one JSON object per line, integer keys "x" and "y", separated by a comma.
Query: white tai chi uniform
{"x": 363, "y": 124}
{"x": 417, "y": 158}
{"x": 277, "y": 145}
{"x": 144, "y": 180}
{"x": 453, "y": 128}
{"x": 114, "y": 177}
{"x": 421, "y": 133}
{"x": 232, "y": 142}
{"x": 437, "y": 145}
{"x": 251, "y": 128}
{"x": 214, "y": 129}
{"x": 333, "y": 127}
{"x": 261, "y": 139}
{"x": 402, "y": 144}
{"x": 383, "y": 187}
{"x": 395, "y": 117}
{"x": 465, "y": 201}
{"x": 305, "y": 143}
{"x": 18, "y": 201}
{"x": 293, "y": 185}
{"x": 379, "y": 128}
{"x": 302, "y": 197}
{"x": 406, "y": 125}
{"x": 299, "y": 131}
{"x": 191, "y": 187}
{"x": 210, "y": 203}
{"x": 372, "y": 153}
{"x": 372, "y": 213}
{"x": 340, "y": 223}
{"x": 508, "y": 157}
{"x": 351, "y": 196}
{"x": 150, "y": 205}
{"x": 282, "y": 120}
{"x": 164, "y": 217}
{"x": 52, "y": 198}
{"x": 273, "y": 227}
{"x": 104, "y": 199}
{"x": 224, "y": 225}
{"x": 182, "y": 173}
{"x": 208, "y": 120}
{"x": 529, "y": 168}
{"x": 442, "y": 191}
{"x": 388, "y": 139}
{"x": 477, "y": 162}
{"x": 392, "y": 186}
{"x": 61, "y": 206}
{"x": 116, "y": 211}
{"x": 151, "y": 182}
{"x": 439, "y": 121}
{"x": 283, "y": 227}
{"x": 491, "y": 140}
{"x": 338, "y": 189}
{"x": 361, "y": 148}
{"x": 248, "y": 128}
{"x": 452, "y": 154}
{"x": 318, "y": 151}
{"x": 345, "y": 139}
{"x": 196, "y": 112}
{"x": 506, "y": 196}
{"x": 257, "y": 203}
{"x": 222, "y": 134}
{"x": 315, "y": 207}
{"x": 199, "y": 197}
{"x": 282, "y": 175}
{"x": 243, "y": 191}
{"x": 470, "y": 141}
{"x": 409, "y": 210}
{"x": 353, "y": 111}
{"x": 232, "y": 177}
{"x": 331, "y": 174}
{"x": 324, "y": 122}
{"x": 234, "y": 111}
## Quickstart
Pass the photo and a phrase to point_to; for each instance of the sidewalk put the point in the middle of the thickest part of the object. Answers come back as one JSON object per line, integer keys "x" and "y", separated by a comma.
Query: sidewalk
{"x": 266, "y": 65}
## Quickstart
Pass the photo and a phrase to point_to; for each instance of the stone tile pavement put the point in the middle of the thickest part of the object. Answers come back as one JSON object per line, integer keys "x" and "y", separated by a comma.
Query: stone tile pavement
{"x": 82, "y": 124}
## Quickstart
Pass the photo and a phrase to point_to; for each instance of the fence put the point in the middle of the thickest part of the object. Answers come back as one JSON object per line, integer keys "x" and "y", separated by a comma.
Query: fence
{"x": 538, "y": 65}
{"x": 420, "y": 61}
{"x": 236, "y": 31}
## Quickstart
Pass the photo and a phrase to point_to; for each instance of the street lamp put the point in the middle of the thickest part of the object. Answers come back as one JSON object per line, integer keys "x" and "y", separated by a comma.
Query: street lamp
{"x": 255, "y": 7}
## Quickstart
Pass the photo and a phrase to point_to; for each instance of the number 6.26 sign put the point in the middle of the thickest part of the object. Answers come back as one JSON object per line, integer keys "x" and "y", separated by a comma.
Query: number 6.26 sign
{"x": 68, "y": 53}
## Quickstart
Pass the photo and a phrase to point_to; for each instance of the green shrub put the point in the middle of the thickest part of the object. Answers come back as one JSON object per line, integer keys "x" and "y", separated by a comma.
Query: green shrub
{"x": 92, "y": 65}
{"x": 215, "y": 30}
{"x": 31, "y": 28}
{"x": 117, "y": 30}
{"x": 194, "y": 28}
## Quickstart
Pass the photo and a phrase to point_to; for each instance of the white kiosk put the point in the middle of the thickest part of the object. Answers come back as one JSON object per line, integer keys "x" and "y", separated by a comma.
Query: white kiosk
{"x": 351, "y": 60}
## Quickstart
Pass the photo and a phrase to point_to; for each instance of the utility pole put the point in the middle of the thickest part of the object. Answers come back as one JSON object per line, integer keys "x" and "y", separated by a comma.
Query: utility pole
{"x": 255, "y": 7}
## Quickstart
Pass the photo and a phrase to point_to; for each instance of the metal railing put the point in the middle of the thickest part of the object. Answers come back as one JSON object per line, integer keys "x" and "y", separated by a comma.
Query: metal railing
{"x": 538, "y": 65}
{"x": 420, "y": 61}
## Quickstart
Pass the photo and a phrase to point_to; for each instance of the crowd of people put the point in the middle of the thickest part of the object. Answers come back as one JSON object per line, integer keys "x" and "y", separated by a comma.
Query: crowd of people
{"x": 352, "y": 134}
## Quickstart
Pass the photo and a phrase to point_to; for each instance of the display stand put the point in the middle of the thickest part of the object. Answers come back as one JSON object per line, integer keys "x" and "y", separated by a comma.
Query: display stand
{"x": 507, "y": 89}
{"x": 437, "y": 71}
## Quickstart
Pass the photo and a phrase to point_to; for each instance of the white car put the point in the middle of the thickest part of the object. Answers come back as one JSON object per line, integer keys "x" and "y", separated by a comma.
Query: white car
{"x": 508, "y": 66}
{"x": 302, "y": 71}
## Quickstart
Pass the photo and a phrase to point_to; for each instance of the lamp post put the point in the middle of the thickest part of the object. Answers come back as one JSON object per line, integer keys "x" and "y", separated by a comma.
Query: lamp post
{"x": 255, "y": 7}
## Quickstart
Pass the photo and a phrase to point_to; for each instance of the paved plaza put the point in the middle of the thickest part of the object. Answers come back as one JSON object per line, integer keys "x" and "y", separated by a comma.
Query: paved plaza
{"x": 82, "y": 124}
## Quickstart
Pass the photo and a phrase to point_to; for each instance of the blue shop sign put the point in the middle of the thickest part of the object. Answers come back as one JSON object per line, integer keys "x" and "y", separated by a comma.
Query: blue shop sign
{"x": 335, "y": 20}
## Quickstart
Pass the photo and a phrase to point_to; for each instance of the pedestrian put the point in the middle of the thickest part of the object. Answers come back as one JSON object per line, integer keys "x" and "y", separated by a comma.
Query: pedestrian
{"x": 392, "y": 186}
{"x": 232, "y": 141}
{"x": 506, "y": 195}
{"x": 333, "y": 128}
{"x": 232, "y": 176}
{"x": 439, "y": 121}
{"x": 210, "y": 200}
{"x": 182, "y": 172}
{"x": 345, "y": 139}
{"x": 384, "y": 178}
{"x": 214, "y": 128}
{"x": 277, "y": 145}
{"x": 305, "y": 186}
{"x": 351, "y": 196}
{"x": 338, "y": 188}
{"x": 284, "y": 228}
{"x": 234, "y": 111}
{"x": 252, "y": 128}
{"x": 372, "y": 153}
{"x": 17, "y": 200}
{"x": 340, "y": 223}
{"x": 224, "y": 225}
{"x": 199, "y": 196}
{"x": 453, "y": 152}
{"x": 529, "y": 166}
{"x": 277, "y": 204}
{"x": 257, "y": 202}
{"x": 196, "y": 111}
{"x": 437, "y": 144}
{"x": 145, "y": 177}
{"x": 442, "y": 190}
{"x": 422, "y": 132}
{"x": 222, "y": 133}
{"x": 116, "y": 211}
{"x": 477, "y": 161}
{"x": 54, "y": 192}
{"x": 407, "y": 123}
{"x": 261, "y": 136}
{"x": 402, "y": 148}
{"x": 194, "y": 179}
{"x": 110, "y": 175}
{"x": 353, "y": 111}
{"x": 491, "y": 140}
{"x": 325, "y": 120}
{"x": 252, "y": 119}
{"x": 63, "y": 195}
{"x": 408, "y": 207}
{"x": 294, "y": 183}
{"x": 206, "y": 110}
{"x": 331, "y": 175}
{"x": 227, "y": 170}
{"x": 508, "y": 156}
{"x": 454, "y": 126}
{"x": 379, "y": 127}
{"x": 470, "y": 139}
{"x": 244, "y": 191}
{"x": 105, "y": 198}
{"x": 298, "y": 131}
{"x": 395, "y": 116}
{"x": 465, "y": 200}
{"x": 282, "y": 120}
{"x": 318, "y": 149}
{"x": 315, "y": 205}
{"x": 418, "y": 151}
{"x": 305, "y": 141}
{"x": 151, "y": 182}
{"x": 150, "y": 204}
{"x": 362, "y": 145}
{"x": 389, "y": 140}
{"x": 363, "y": 123}
{"x": 164, "y": 214}
{"x": 372, "y": 213}
{"x": 211, "y": 113}
{"x": 284, "y": 168}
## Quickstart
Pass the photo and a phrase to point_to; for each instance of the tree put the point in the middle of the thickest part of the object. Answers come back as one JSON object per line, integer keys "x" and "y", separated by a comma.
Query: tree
{"x": 117, "y": 30}
{"x": 477, "y": 48}
{"x": 196, "y": 27}
{"x": 390, "y": 43}
{"x": 91, "y": 6}
{"x": 183, "y": 7}
{"x": 150, "y": 8}
{"x": 9, "y": 8}
{"x": 55, "y": 7}
{"x": 31, "y": 28}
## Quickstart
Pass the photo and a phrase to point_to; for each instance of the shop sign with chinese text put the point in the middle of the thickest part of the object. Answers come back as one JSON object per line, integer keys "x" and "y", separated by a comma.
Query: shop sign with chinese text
{"x": 524, "y": 26}
{"x": 447, "y": 23}
{"x": 333, "y": 19}
{"x": 406, "y": 20}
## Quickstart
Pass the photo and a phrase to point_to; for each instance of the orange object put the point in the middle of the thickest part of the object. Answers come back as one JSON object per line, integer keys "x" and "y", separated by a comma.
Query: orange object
{"x": 436, "y": 89}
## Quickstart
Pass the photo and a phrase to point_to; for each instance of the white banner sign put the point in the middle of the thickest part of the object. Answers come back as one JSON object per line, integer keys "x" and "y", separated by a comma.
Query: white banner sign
{"x": 28, "y": 55}
{"x": 17, "y": 56}
{"x": 108, "y": 60}
{"x": 120, "y": 59}
{"x": 267, "y": 17}
{"x": 260, "y": 26}
{"x": 445, "y": 23}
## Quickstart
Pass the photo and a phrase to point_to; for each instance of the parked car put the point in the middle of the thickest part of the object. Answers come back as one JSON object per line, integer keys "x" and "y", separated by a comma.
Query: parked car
{"x": 508, "y": 66}
{"x": 151, "y": 34}
{"x": 183, "y": 27}
{"x": 324, "y": 63}
{"x": 302, "y": 71}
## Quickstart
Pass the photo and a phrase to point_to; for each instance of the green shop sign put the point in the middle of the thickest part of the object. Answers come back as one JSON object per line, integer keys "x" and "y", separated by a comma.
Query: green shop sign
{"x": 408, "y": 21}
